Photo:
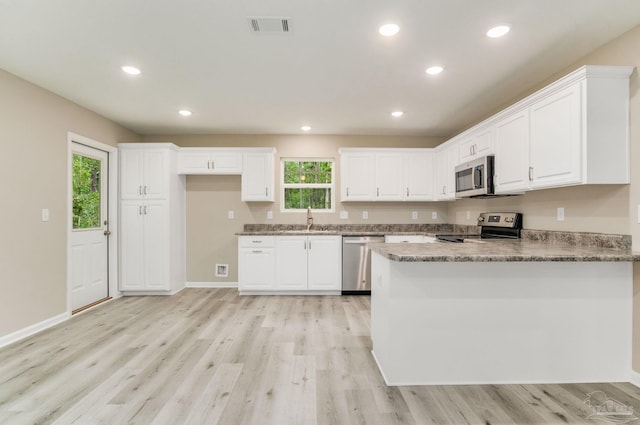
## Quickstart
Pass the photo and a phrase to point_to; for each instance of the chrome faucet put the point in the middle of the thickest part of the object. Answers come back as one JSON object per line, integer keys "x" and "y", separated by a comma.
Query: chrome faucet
{"x": 309, "y": 219}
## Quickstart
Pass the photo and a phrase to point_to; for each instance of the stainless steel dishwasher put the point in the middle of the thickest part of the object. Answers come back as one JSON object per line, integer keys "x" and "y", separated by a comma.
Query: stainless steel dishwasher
{"x": 356, "y": 264}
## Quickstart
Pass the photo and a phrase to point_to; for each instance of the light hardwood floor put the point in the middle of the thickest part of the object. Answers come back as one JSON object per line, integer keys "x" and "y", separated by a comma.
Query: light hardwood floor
{"x": 209, "y": 356}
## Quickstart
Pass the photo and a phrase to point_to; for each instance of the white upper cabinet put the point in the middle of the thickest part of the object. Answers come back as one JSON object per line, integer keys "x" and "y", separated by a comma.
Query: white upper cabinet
{"x": 258, "y": 175}
{"x": 446, "y": 161}
{"x": 477, "y": 144}
{"x": 145, "y": 172}
{"x": 357, "y": 175}
{"x": 389, "y": 176}
{"x": 419, "y": 175}
{"x": 386, "y": 174}
{"x": 555, "y": 150}
{"x": 209, "y": 161}
{"x": 574, "y": 131}
{"x": 512, "y": 153}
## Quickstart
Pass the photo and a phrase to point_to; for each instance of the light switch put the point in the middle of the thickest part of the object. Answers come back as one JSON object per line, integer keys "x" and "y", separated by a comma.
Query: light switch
{"x": 344, "y": 215}
{"x": 230, "y": 215}
{"x": 560, "y": 214}
{"x": 45, "y": 214}
{"x": 365, "y": 215}
{"x": 269, "y": 215}
{"x": 414, "y": 215}
{"x": 434, "y": 215}
{"x": 468, "y": 215}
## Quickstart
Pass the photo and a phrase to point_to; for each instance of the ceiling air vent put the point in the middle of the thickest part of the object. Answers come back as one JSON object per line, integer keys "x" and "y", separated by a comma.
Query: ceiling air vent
{"x": 270, "y": 25}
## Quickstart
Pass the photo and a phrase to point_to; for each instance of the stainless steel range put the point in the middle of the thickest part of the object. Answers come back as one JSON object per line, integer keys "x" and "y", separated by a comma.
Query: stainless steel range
{"x": 493, "y": 225}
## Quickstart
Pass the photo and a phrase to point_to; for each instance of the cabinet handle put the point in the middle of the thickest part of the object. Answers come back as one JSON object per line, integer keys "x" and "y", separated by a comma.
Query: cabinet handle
{"x": 530, "y": 173}
{"x": 208, "y": 164}
{"x": 145, "y": 190}
{"x": 347, "y": 192}
{"x": 305, "y": 244}
{"x": 256, "y": 241}
{"x": 213, "y": 165}
{"x": 407, "y": 191}
{"x": 139, "y": 190}
{"x": 471, "y": 150}
{"x": 377, "y": 191}
{"x": 309, "y": 245}
{"x": 140, "y": 210}
{"x": 266, "y": 191}
{"x": 145, "y": 210}
{"x": 443, "y": 190}
{"x": 257, "y": 252}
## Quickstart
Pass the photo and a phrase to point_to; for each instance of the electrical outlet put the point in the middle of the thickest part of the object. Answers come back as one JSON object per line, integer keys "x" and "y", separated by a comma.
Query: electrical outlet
{"x": 45, "y": 214}
{"x": 414, "y": 215}
{"x": 269, "y": 215}
{"x": 365, "y": 215}
{"x": 560, "y": 214}
{"x": 434, "y": 215}
{"x": 344, "y": 215}
{"x": 230, "y": 215}
{"x": 468, "y": 215}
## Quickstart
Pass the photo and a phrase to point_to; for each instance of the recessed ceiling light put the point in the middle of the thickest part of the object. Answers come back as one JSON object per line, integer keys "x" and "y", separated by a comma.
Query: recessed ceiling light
{"x": 434, "y": 70}
{"x": 305, "y": 128}
{"x": 389, "y": 29}
{"x": 131, "y": 70}
{"x": 397, "y": 114}
{"x": 498, "y": 31}
{"x": 184, "y": 112}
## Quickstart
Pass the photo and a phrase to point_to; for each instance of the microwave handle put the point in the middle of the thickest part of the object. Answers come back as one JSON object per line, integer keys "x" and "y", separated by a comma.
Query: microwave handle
{"x": 476, "y": 184}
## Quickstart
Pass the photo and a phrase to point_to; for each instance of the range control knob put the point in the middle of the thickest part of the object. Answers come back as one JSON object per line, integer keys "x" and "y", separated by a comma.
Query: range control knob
{"x": 481, "y": 219}
{"x": 508, "y": 219}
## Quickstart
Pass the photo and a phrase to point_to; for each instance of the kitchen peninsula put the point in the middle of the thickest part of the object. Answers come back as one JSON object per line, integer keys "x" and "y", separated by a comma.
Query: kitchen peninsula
{"x": 520, "y": 311}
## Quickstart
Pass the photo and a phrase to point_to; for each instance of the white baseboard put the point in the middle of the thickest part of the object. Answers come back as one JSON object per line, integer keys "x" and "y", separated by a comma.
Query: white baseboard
{"x": 212, "y": 284}
{"x": 35, "y": 328}
{"x": 635, "y": 378}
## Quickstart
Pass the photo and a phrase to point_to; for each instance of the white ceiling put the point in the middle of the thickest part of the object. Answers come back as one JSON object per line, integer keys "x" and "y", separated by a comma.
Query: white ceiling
{"x": 333, "y": 71}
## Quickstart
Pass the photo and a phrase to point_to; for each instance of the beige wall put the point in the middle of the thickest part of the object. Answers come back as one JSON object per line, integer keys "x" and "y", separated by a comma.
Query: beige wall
{"x": 33, "y": 133}
{"x": 211, "y": 236}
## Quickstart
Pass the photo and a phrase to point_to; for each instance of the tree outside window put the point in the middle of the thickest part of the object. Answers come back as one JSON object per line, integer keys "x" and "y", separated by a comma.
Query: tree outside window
{"x": 307, "y": 183}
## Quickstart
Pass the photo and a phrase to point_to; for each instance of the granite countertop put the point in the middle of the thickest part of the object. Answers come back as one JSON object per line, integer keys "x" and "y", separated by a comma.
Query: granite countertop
{"x": 328, "y": 232}
{"x": 499, "y": 251}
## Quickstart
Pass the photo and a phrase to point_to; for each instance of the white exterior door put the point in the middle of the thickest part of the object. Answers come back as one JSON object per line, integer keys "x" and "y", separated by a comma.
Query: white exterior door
{"x": 90, "y": 233}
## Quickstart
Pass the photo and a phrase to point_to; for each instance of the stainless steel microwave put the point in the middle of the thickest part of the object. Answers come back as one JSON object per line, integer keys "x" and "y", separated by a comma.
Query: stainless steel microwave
{"x": 475, "y": 178}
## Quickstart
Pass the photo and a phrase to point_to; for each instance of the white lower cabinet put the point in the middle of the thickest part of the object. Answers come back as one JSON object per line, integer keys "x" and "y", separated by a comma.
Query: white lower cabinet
{"x": 289, "y": 263}
{"x": 309, "y": 263}
{"x": 256, "y": 263}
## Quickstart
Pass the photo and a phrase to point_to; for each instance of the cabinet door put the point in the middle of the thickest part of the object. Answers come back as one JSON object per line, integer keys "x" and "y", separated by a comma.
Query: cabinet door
{"x": 156, "y": 245}
{"x": 325, "y": 263}
{"x": 419, "y": 177}
{"x": 478, "y": 144}
{"x": 389, "y": 177}
{"x": 257, "y": 177}
{"x": 131, "y": 246}
{"x": 446, "y": 159}
{"x": 155, "y": 167}
{"x": 357, "y": 171}
{"x": 512, "y": 153}
{"x": 226, "y": 163}
{"x": 555, "y": 145}
{"x": 130, "y": 174}
{"x": 256, "y": 269}
{"x": 194, "y": 162}
{"x": 291, "y": 262}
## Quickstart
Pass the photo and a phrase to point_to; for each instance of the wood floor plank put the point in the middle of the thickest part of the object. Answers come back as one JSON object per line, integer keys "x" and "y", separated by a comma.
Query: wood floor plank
{"x": 210, "y": 356}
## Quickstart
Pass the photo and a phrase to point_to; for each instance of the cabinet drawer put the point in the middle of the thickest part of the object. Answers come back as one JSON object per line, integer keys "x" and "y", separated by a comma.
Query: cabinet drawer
{"x": 256, "y": 241}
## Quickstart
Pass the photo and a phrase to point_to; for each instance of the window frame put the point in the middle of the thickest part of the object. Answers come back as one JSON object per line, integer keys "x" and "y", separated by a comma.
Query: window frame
{"x": 331, "y": 186}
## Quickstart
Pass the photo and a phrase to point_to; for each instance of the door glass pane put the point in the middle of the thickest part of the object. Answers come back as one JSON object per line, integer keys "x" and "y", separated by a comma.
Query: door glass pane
{"x": 86, "y": 192}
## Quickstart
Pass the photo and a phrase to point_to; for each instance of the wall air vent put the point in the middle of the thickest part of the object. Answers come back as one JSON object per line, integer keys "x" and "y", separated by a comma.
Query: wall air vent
{"x": 270, "y": 24}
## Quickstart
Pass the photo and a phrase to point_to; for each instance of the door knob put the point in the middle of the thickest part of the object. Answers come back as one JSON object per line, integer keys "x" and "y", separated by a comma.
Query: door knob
{"x": 107, "y": 232}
